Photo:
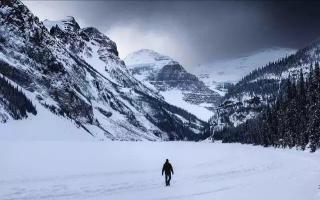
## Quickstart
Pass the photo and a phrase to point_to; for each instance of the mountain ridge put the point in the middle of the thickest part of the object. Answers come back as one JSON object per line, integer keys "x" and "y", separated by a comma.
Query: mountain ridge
{"x": 75, "y": 74}
{"x": 255, "y": 91}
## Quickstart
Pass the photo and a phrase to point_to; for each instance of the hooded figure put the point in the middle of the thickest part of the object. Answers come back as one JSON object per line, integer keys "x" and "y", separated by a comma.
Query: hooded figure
{"x": 167, "y": 169}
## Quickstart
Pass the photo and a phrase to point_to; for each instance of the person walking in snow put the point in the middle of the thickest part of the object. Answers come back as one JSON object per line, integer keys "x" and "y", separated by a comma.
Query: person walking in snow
{"x": 167, "y": 169}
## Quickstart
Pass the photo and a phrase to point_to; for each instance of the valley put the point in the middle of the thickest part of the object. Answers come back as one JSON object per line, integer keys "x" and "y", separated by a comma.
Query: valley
{"x": 88, "y": 117}
{"x": 122, "y": 170}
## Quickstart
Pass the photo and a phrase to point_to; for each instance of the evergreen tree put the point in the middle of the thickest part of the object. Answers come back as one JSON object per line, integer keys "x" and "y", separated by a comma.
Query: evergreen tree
{"x": 292, "y": 121}
{"x": 314, "y": 128}
{"x": 14, "y": 100}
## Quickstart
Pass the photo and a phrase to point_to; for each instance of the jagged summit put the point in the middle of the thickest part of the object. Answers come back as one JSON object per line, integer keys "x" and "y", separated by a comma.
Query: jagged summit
{"x": 69, "y": 23}
{"x": 93, "y": 47}
{"x": 71, "y": 29}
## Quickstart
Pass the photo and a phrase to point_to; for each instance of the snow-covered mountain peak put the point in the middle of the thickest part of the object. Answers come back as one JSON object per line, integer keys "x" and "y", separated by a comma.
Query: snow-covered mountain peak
{"x": 66, "y": 24}
{"x": 88, "y": 39}
{"x": 91, "y": 45}
{"x": 174, "y": 83}
{"x": 147, "y": 57}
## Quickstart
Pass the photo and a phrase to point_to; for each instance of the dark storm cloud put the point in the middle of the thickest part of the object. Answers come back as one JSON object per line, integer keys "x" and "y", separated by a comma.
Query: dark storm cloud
{"x": 293, "y": 24}
{"x": 195, "y": 31}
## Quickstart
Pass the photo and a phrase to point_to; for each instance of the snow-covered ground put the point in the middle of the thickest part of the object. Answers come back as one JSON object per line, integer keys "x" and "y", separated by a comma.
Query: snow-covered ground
{"x": 132, "y": 170}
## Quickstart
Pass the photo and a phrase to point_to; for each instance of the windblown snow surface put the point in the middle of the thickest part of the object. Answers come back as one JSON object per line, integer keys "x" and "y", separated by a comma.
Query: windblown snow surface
{"x": 132, "y": 170}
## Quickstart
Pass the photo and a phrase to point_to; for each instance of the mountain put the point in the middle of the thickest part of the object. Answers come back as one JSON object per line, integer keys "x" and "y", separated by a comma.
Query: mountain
{"x": 291, "y": 120}
{"x": 261, "y": 87}
{"x": 72, "y": 83}
{"x": 177, "y": 86}
{"x": 219, "y": 75}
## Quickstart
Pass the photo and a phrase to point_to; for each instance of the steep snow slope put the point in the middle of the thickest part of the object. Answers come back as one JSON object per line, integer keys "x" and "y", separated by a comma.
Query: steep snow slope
{"x": 76, "y": 170}
{"x": 216, "y": 75}
{"x": 45, "y": 125}
{"x": 76, "y": 74}
{"x": 180, "y": 88}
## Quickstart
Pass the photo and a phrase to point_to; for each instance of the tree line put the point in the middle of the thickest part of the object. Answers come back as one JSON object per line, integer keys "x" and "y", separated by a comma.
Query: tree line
{"x": 292, "y": 120}
{"x": 14, "y": 100}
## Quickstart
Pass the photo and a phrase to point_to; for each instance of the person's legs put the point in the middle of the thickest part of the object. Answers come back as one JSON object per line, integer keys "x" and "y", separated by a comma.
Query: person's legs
{"x": 166, "y": 178}
{"x": 169, "y": 179}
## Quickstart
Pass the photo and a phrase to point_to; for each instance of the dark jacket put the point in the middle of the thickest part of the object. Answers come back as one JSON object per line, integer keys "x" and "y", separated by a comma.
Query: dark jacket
{"x": 167, "y": 168}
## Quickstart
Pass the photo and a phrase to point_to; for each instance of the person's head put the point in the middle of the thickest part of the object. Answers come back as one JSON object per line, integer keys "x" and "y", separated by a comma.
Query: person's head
{"x": 167, "y": 160}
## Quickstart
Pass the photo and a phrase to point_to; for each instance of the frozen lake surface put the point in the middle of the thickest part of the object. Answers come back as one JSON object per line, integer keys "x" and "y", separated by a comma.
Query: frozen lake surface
{"x": 132, "y": 170}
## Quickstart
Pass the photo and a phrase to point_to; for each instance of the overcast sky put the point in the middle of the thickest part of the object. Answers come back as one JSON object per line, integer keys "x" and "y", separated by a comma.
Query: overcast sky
{"x": 193, "y": 32}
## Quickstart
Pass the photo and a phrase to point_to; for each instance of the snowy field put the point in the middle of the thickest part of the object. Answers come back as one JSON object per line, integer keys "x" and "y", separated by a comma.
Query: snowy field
{"x": 132, "y": 170}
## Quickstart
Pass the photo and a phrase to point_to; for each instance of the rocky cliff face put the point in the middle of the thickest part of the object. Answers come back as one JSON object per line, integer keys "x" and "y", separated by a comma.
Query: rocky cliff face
{"x": 76, "y": 74}
{"x": 167, "y": 76}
